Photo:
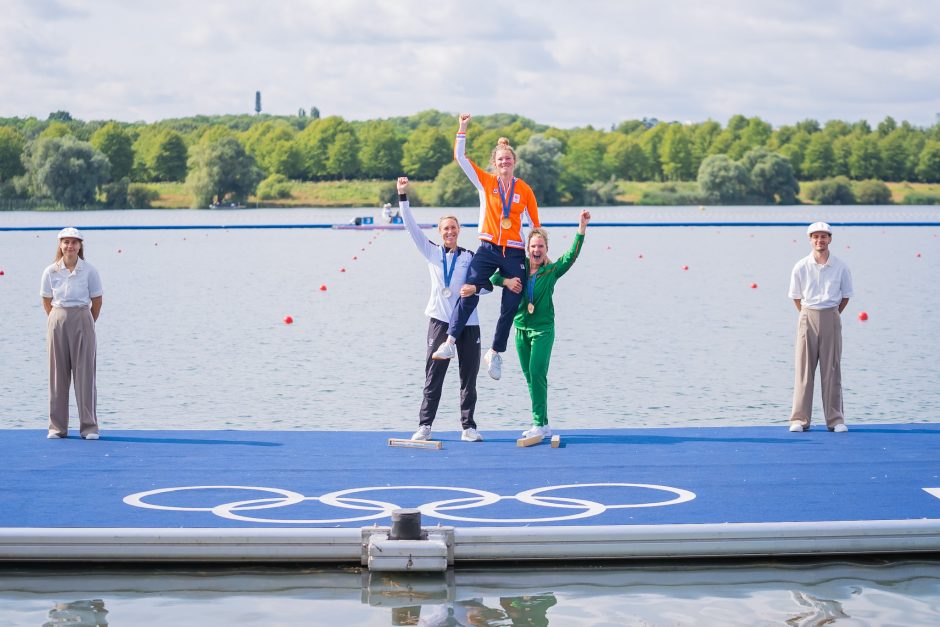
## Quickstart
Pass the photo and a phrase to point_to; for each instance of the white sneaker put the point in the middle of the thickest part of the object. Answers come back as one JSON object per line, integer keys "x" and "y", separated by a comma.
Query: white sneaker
{"x": 423, "y": 433}
{"x": 90, "y": 436}
{"x": 797, "y": 427}
{"x": 53, "y": 436}
{"x": 840, "y": 428}
{"x": 447, "y": 350}
{"x": 545, "y": 432}
{"x": 471, "y": 435}
{"x": 494, "y": 364}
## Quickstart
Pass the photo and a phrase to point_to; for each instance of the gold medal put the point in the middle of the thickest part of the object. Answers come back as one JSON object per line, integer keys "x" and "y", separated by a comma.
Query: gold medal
{"x": 505, "y": 223}
{"x": 531, "y": 308}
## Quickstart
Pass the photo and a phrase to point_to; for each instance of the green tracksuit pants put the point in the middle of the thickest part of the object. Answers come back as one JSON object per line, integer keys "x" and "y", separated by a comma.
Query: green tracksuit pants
{"x": 535, "y": 353}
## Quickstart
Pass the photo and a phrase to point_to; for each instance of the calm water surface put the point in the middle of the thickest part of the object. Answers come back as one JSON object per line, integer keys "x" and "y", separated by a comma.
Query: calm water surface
{"x": 191, "y": 336}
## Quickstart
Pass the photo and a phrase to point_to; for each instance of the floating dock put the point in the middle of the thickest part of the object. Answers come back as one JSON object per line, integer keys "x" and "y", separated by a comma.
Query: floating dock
{"x": 317, "y": 496}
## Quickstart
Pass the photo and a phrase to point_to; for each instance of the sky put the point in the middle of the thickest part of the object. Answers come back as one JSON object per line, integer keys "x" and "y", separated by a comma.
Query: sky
{"x": 564, "y": 63}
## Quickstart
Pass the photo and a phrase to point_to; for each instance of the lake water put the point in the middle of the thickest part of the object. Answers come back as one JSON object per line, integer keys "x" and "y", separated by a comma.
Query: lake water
{"x": 191, "y": 336}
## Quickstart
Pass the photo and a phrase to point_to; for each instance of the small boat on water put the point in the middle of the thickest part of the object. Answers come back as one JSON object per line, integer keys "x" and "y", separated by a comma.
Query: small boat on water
{"x": 392, "y": 222}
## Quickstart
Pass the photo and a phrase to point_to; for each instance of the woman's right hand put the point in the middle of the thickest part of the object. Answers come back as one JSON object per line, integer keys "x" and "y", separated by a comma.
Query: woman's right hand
{"x": 464, "y": 121}
{"x": 467, "y": 290}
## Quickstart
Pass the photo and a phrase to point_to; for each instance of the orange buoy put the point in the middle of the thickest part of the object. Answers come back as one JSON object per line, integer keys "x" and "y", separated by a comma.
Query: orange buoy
{"x": 323, "y": 288}
{"x": 863, "y": 316}
{"x": 288, "y": 320}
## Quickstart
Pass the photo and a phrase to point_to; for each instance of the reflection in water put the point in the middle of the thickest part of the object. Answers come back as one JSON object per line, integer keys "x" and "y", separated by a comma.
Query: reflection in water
{"x": 781, "y": 592}
{"x": 78, "y": 614}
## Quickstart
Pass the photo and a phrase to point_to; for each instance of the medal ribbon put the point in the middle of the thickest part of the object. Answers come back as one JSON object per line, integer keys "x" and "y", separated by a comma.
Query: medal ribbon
{"x": 507, "y": 200}
{"x": 448, "y": 274}
{"x": 530, "y": 289}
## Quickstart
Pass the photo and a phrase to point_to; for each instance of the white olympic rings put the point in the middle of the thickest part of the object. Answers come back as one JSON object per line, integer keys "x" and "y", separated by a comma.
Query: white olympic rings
{"x": 381, "y": 509}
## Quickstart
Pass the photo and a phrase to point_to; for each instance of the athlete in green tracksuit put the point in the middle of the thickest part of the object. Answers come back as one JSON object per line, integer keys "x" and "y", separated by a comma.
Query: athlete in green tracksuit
{"x": 535, "y": 318}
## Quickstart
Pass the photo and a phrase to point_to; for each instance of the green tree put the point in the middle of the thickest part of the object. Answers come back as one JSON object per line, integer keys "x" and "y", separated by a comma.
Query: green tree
{"x": 651, "y": 141}
{"x": 771, "y": 178}
{"x": 676, "y": 154}
{"x": 380, "y": 151}
{"x": 272, "y": 145}
{"x": 169, "y": 162}
{"x": 896, "y": 163}
{"x": 56, "y": 129}
{"x": 114, "y": 142}
{"x": 832, "y": 191}
{"x": 539, "y": 165}
{"x": 219, "y": 170}
{"x": 343, "y": 156}
{"x": 275, "y": 187}
{"x": 928, "y": 163}
{"x": 65, "y": 169}
{"x": 865, "y": 159}
{"x": 819, "y": 159}
{"x": 12, "y": 145}
{"x": 625, "y": 158}
{"x": 314, "y": 143}
{"x": 425, "y": 152}
{"x": 723, "y": 179}
{"x": 872, "y": 192}
{"x": 582, "y": 163}
{"x": 452, "y": 188}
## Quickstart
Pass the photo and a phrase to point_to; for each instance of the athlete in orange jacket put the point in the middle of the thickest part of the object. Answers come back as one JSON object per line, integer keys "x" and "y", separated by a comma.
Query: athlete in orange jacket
{"x": 503, "y": 200}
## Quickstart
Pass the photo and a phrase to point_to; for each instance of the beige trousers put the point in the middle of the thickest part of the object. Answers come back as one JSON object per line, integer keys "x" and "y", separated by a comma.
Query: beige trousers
{"x": 818, "y": 340}
{"x": 72, "y": 347}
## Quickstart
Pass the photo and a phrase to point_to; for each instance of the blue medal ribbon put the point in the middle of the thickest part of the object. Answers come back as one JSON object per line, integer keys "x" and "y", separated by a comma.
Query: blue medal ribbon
{"x": 448, "y": 274}
{"x": 530, "y": 289}
{"x": 507, "y": 200}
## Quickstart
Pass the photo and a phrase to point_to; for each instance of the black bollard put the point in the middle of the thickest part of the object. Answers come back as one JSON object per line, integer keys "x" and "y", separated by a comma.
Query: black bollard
{"x": 406, "y": 525}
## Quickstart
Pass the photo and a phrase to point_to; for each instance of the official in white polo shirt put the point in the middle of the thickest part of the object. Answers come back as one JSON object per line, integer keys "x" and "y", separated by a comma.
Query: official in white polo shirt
{"x": 820, "y": 286}
{"x": 71, "y": 295}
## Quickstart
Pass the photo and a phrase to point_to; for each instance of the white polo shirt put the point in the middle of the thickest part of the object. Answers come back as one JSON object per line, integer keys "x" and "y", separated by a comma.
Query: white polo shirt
{"x": 70, "y": 289}
{"x": 820, "y": 286}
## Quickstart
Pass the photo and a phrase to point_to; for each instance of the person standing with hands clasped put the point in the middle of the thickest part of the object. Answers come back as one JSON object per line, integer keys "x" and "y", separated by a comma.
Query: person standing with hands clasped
{"x": 503, "y": 201}
{"x": 535, "y": 318}
{"x": 448, "y": 265}
{"x": 71, "y": 296}
{"x": 820, "y": 286}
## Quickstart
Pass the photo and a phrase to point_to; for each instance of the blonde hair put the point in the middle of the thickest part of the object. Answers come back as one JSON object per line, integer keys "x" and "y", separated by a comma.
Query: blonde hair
{"x": 58, "y": 250}
{"x": 502, "y": 144}
{"x": 442, "y": 218}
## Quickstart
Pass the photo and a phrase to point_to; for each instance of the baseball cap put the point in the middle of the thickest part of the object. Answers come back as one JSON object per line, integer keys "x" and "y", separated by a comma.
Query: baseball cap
{"x": 817, "y": 227}
{"x": 71, "y": 231}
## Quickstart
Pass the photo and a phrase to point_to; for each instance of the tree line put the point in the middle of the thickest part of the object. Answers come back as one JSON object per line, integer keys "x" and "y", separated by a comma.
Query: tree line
{"x": 227, "y": 158}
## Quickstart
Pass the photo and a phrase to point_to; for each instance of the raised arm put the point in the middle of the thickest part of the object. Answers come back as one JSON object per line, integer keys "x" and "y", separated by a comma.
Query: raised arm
{"x": 423, "y": 244}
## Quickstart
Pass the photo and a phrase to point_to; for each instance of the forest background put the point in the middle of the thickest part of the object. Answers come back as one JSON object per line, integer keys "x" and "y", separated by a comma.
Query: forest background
{"x": 305, "y": 160}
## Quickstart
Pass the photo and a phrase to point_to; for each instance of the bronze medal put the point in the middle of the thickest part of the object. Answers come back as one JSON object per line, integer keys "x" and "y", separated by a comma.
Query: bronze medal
{"x": 505, "y": 223}
{"x": 531, "y": 308}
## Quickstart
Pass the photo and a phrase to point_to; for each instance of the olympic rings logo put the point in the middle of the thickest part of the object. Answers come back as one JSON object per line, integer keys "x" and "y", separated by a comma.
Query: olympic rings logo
{"x": 447, "y": 509}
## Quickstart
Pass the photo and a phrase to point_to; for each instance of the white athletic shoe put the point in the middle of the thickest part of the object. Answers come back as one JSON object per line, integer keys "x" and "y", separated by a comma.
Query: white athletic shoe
{"x": 797, "y": 427}
{"x": 471, "y": 435}
{"x": 494, "y": 364}
{"x": 53, "y": 436}
{"x": 446, "y": 350}
{"x": 423, "y": 433}
{"x": 840, "y": 428}
{"x": 90, "y": 436}
{"x": 545, "y": 432}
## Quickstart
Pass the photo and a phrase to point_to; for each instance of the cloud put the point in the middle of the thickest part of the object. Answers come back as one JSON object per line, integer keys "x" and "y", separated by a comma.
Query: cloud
{"x": 562, "y": 63}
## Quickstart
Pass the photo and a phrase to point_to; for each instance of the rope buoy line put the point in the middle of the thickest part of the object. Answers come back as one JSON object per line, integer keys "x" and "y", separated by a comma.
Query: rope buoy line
{"x": 177, "y": 227}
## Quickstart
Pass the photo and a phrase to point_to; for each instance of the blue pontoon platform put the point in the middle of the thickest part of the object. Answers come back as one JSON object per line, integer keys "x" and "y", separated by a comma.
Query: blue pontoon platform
{"x": 316, "y": 496}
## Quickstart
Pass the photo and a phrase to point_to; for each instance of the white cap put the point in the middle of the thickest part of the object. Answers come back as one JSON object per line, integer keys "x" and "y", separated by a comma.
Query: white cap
{"x": 817, "y": 227}
{"x": 71, "y": 231}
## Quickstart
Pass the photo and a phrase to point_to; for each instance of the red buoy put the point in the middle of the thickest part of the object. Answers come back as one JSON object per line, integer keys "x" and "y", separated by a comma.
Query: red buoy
{"x": 2, "y": 272}
{"x": 753, "y": 286}
{"x": 323, "y": 288}
{"x": 863, "y": 316}
{"x": 342, "y": 269}
{"x": 918, "y": 254}
{"x": 355, "y": 257}
{"x": 288, "y": 320}
{"x": 685, "y": 267}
